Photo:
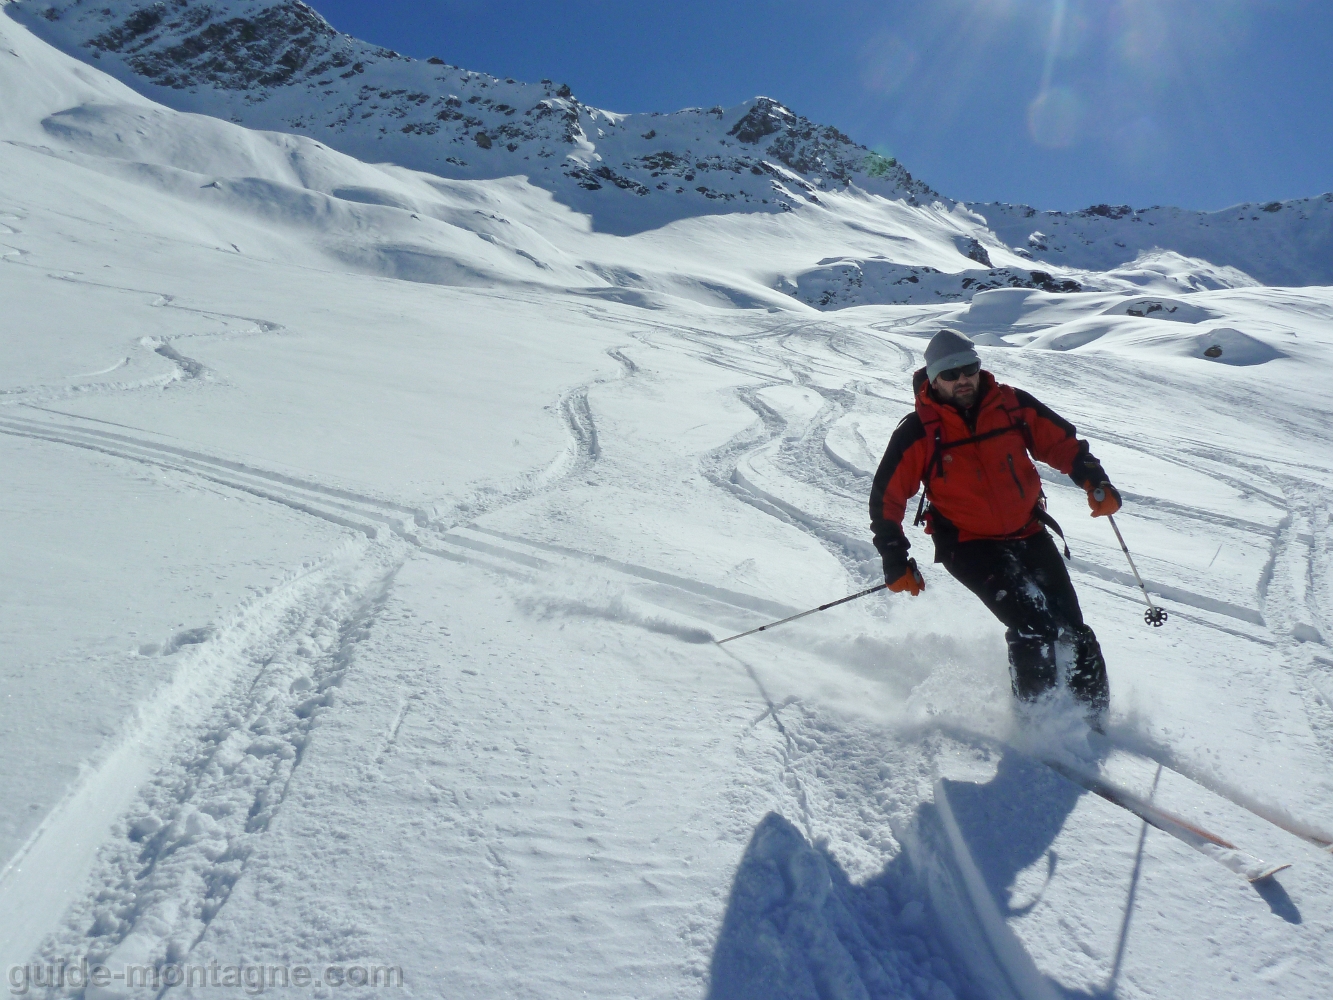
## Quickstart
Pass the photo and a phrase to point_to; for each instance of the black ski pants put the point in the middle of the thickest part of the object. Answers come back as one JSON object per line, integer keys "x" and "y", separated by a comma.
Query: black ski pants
{"x": 1025, "y": 584}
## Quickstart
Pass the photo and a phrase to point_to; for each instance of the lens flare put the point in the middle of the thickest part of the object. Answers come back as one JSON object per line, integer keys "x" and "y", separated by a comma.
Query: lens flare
{"x": 1058, "y": 10}
{"x": 1056, "y": 112}
{"x": 1054, "y": 117}
{"x": 886, "y": 64}
{"x": 1145, "y": 43}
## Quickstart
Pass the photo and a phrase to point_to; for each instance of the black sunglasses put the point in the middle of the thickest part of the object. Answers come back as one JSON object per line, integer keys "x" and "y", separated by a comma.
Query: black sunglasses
{"x": 954, "y": 374}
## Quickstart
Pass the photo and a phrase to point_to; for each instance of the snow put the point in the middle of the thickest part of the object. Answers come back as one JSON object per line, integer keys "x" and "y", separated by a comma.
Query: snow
{"x": 369, "y": 528}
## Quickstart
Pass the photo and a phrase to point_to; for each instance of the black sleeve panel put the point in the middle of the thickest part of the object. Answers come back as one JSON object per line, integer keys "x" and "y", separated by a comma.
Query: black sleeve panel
{"x": 1029, "y": 401}
{"x": 892, "y": 478}
{"x": 1086, "y": 471}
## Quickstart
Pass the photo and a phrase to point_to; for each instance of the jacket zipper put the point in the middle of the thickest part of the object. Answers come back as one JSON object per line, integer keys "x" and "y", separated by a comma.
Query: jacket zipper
{"x": 1014, "y": 472}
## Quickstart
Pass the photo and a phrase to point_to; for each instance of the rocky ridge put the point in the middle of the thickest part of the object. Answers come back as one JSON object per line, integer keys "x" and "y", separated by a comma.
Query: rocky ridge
{"x": 277, "y": 64}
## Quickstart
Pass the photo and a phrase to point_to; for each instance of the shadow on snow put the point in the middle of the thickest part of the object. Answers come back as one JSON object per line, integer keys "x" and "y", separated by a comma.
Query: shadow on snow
{"x": 931, "y": 925}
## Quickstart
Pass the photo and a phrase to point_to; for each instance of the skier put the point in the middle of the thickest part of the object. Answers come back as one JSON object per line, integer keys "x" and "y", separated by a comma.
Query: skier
{"x": 968, "y": 444}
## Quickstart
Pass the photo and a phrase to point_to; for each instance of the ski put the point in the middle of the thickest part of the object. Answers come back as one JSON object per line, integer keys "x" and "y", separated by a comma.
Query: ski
{"x": 1307, "y": 833}
{"x": 1222, "y": 851}
{"x": 1225, "y": 853}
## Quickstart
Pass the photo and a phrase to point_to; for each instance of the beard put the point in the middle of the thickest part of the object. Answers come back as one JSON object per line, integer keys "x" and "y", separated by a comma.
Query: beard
{"x": 965, "y": 395}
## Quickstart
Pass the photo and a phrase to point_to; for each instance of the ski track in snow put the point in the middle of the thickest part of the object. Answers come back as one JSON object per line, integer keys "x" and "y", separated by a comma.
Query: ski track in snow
{"x": 247, "y": 697}
{"x": 1295, "y": 599}
{"x": 178, "y": 851}
{"x": 245, "y": 700}
{"x": 185, "y": 369}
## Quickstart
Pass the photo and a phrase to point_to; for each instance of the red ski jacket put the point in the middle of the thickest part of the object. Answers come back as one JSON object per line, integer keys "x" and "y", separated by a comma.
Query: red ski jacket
{"x": 976, "y": 468}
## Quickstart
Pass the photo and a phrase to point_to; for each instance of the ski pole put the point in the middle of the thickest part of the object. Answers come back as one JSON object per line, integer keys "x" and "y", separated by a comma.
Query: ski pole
{"x": 822, "y": 607}
{"x": 1154, "y": 616}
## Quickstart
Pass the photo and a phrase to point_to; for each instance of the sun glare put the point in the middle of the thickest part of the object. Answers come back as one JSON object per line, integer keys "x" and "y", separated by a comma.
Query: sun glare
{"x": 1122, "y": 57}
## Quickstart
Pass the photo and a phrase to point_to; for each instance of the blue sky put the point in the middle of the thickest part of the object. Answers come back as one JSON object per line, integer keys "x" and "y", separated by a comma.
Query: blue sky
{"x": 1056, "y": 103}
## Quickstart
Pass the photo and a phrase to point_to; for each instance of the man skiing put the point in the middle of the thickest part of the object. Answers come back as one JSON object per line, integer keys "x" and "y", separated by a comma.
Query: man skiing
{"x": 970, "y": 443}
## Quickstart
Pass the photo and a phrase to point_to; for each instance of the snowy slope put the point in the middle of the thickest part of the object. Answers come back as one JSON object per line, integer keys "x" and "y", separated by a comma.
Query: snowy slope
{"x": 369, "y": 528}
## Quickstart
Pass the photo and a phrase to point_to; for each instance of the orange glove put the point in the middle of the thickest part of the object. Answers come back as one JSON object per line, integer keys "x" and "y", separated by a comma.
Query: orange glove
{"x": 911, "y": 581}
{"x": 1104, "y": 499}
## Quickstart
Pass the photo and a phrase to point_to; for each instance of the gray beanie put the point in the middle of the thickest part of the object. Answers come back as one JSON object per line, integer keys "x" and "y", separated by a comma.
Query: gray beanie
{"x": 949, "y": 349}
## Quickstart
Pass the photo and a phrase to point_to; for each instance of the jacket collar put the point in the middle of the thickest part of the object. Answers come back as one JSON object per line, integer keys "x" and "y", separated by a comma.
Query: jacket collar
{"x": 929, "y": 405}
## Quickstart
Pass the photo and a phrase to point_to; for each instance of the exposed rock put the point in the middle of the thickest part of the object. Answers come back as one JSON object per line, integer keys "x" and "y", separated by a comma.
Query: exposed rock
{"x": 187, "y": 44}
{"x": 843, "y": 281}
{"x": 973, "y": 250}
{"x": 1108, "y": 211}
{"x": 765, "y": 118}
{"x": 1042, "y": 280}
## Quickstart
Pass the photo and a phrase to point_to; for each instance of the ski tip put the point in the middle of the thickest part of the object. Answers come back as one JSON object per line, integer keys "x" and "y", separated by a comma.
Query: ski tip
{"x": 1267, "y": 873}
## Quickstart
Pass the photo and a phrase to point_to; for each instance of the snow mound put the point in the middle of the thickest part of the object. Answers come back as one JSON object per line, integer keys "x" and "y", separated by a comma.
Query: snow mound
{"x": 1157, "y": 307}
{"x": 1223, "y": 345}
{"x": 1000, "y": 307}
{"x": 1171, "y": 273}
{"x": 1231, "y": 347}
{"x": 838, "y": 282}
{"x": 1071, "y": 336}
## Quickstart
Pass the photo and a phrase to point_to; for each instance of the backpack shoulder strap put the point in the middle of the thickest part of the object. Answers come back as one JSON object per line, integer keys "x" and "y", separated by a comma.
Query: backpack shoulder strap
{"x": 934, "y": 428}
{"x": 1013, "y": 409}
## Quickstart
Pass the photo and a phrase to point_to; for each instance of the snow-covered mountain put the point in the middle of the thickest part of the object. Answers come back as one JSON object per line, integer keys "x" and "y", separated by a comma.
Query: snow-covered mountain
{"x": 1278, "y": 242}
{"x": 278, "y": 65}
{"x": 365, "y": 532}
{"x": 767, "y": 171}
